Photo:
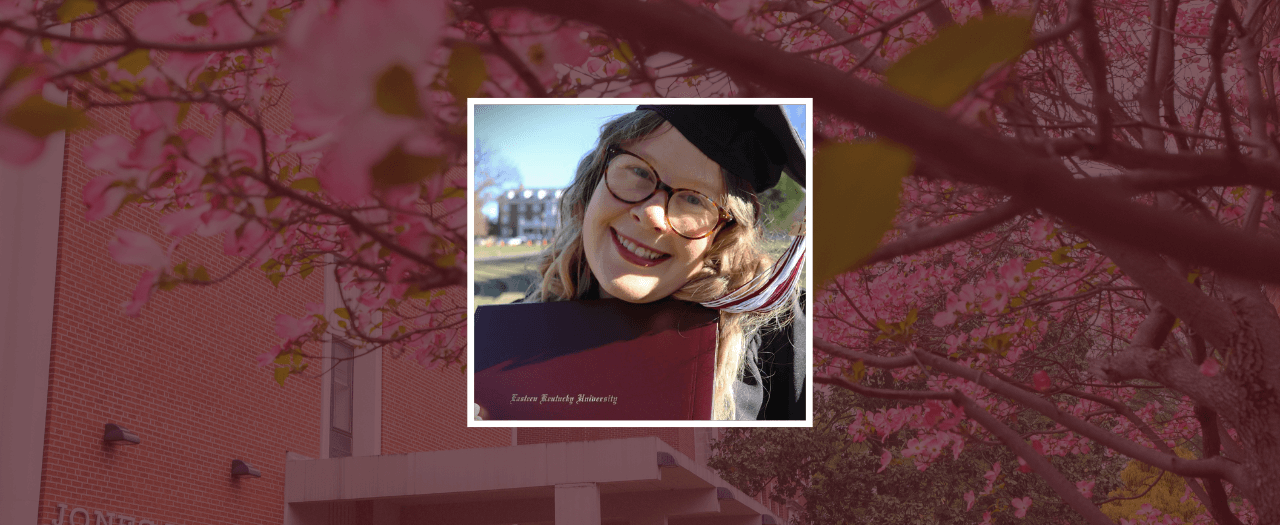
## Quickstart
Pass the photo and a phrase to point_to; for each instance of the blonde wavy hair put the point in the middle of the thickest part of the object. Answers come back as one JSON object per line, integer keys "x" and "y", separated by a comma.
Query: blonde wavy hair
{"x": 733, "y": 259}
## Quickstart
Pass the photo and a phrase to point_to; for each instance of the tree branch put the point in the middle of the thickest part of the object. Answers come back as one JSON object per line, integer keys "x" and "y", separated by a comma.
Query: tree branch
{"x": 252, "y": 43}
{"x": 1202, "y": 313}
{"x": 1056, "y": 481}
{"x": 941, "y": 235}
{"x": 875, "y": 361}
{"x": 1213, "y": 467}
{"x": 976, "y": 158}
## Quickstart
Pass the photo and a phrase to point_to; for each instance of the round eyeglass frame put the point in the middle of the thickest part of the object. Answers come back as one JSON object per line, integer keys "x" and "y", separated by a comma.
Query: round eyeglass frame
{"x": 614, "y": 150}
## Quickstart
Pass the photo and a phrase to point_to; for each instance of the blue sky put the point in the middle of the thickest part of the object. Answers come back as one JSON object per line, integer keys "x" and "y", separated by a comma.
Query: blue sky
{"x": 544, "y": 142}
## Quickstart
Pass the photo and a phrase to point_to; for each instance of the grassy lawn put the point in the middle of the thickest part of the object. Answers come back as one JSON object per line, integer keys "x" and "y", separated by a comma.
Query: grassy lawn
{"x": 501, "y": 281}
{"x": 495, "y": 251}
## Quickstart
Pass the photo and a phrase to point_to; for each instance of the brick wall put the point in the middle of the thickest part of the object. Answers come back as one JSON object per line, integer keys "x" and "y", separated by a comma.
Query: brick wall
{"x": 427, "y": 409}
{"x": 182, "y": 376}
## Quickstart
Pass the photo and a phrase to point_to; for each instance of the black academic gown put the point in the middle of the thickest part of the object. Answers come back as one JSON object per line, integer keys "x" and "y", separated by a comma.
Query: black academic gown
{"x": 773, "y": 385}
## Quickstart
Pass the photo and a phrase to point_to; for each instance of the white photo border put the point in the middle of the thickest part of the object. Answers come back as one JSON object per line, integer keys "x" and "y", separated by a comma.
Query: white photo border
{"x": 471, "y": 291}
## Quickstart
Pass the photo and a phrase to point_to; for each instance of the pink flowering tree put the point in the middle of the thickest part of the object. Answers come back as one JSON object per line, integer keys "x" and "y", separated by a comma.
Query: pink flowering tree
{"x": 1047, "y": 227}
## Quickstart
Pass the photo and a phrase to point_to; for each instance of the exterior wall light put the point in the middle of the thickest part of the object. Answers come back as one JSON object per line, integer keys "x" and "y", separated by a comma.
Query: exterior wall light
{"x": 118, "y": 435}
{"x": 241, "y": 469}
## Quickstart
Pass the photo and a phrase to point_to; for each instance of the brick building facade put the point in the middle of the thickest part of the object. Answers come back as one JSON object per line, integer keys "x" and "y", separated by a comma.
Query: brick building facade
{"x": 529, "y": 213}
{"x": 182, "y": 377}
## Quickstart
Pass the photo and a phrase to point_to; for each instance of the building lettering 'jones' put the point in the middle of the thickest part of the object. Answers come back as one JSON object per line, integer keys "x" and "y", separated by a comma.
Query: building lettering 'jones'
{"x": 80, "y": 516}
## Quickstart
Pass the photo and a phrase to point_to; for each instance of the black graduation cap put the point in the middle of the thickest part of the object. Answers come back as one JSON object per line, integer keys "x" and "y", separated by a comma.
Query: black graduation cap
{"x": 753, "y": 142}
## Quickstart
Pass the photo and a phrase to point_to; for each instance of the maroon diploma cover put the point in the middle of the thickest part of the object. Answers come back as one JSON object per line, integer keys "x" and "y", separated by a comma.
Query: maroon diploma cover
{"x": 597, "y": 360}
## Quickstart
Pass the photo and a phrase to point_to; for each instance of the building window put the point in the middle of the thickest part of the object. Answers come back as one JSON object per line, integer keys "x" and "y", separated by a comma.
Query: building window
{"x": 342, "y": 398}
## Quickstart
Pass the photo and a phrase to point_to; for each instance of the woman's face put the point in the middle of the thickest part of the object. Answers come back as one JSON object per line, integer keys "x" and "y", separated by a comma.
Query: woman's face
{"x": 632, "y": 251}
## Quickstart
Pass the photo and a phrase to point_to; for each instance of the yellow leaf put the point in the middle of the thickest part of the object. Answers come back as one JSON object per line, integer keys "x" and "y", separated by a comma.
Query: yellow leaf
{"x": 857, "y": 372}
{"x": 947, "y": 67}
{"x": 396, "y": 94}
{"x": 135, "y": 61}
{"x": 467, "y": 72}
{"x": 18, "y": 73}
{"x": 310, "y": 184}
{"x": 445, "y": 261}
{"x": 40, "y": 118}
{"x": 623, "y": 52}
{"x": 281, "y": 374}
{"x": 72, "y": 9}
{"x": 454, "y": 192}
{"x": 399, "y": 168}
{"x": 858, "y": 198}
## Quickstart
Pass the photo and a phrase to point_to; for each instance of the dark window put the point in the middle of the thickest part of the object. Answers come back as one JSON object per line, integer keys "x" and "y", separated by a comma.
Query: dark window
{"x": 341, "y": 401}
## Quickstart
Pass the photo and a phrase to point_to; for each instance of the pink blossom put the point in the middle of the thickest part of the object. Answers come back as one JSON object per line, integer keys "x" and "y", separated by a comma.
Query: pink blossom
{"x": 1210, "y": 366}
{"x": 1040, "y": 380}
{"x": 248, "y": 242}
{"x": 996, "y": 299}
{"x": 334, "y": 59}
{"x": 102, "y": 197}
{"x": 1041, "y": 229}
{"x": 289, "y": 328}
{"x": 944, "y": 318}
{"x": 130, "y": 247}
{"x": 218, "y": 221}
{"x": 164, "y": 22}
{"x": 733, "y": 9}
{"x": 269, "y": 356}
{"x": 242, "y": 146}
{"x": 991, "y": 477}
{"x": 368, "y": 137}
{"x": 107, "y": 153}
{"x": 19, "y": 147}
{"x": 969, "y": 498}
{"x": 885, "y": 458}
{"x": 183, "y": 222}
{"x": 141, "y": 293}
{"x": 1086, "y": 488}
{"x": 315, "y": 309}
{"x": 1020, "y": 506}
{"x": 1012, "y": 276}
{"x": 537, "y": 41}
{"x": 180, "y": 66}
{"x": 156, "y": 115}
{"x": 227, "y": 25}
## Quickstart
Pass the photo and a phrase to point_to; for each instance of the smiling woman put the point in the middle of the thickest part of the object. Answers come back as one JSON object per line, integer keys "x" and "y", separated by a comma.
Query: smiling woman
{"x": 629, "y": 230}
{"x": 665, "y": 206}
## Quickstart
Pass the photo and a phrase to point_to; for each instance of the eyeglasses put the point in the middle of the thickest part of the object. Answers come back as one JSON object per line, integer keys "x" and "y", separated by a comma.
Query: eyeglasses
{"x": 632, "y": 180}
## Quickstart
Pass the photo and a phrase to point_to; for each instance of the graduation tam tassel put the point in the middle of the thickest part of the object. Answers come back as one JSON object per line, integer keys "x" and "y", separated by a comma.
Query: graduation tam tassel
{"x": 774, "y": 289}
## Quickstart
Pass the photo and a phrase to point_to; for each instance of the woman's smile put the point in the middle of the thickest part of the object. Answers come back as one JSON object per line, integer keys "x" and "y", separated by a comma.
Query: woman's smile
{"x": 637, "y": 253}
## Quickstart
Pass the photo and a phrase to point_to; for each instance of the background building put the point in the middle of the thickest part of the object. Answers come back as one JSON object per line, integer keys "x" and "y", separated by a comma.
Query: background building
{"x": 376, "y": 440}
{"x": 529, "y": 213}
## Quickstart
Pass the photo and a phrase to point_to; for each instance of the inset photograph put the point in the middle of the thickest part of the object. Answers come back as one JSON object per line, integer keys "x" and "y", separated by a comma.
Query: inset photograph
{"x": 639, "y": 264}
